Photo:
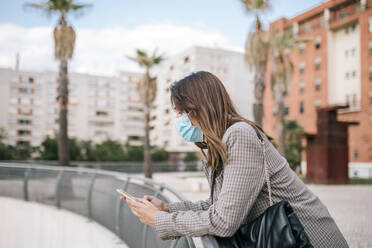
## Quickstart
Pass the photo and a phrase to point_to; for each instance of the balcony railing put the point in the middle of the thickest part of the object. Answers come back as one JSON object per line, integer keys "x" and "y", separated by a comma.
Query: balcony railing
{"x": 91, "y": 193}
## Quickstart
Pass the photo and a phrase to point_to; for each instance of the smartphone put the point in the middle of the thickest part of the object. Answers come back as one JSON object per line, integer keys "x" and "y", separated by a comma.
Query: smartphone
{"x": 126, "y": 194}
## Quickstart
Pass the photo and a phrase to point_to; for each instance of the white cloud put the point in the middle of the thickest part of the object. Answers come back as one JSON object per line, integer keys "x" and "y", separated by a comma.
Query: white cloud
{"x": 102, "y": 51}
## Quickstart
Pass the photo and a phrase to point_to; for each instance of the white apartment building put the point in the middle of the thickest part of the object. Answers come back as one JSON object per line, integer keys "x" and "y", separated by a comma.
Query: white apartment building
{"x": 228, "y": 66}
{"x": 99, "y": 107}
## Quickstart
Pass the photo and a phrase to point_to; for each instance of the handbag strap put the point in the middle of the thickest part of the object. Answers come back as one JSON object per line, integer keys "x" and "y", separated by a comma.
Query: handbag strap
{"x": 265, "y": 169}
{"x": 265, "y": 165}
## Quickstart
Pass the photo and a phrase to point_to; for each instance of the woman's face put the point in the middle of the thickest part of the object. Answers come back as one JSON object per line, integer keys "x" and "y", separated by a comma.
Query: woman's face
{"x": 191, "y": 117}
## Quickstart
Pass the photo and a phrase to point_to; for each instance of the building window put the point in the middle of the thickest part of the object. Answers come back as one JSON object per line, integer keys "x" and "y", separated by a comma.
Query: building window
{"x": 24, "y": 132}
{"x": 92, "y": 83}
{"x": 370, "y": 97}
{"x": 353, "y": 27}
{"x": 14, "y": 79}
{"x": 101, "y": 113}
{"x": 317, "y": 84}
{"x": 318, "y": 60}
{"x": 286, "y": 110}
{"x": 302, "y": 107}
{"x": 23, "y": 143}
{"x": 302, "y": 67}
{"x": 24, "y": 122}
{"x": 318, "y": 41}
{"x": 13, "y": 89}
{"x": 343, "y": 14}
{"x": 356, "y": 154}
{"x": 14, "y": 100}
{"x": 353, "y": 51}
{"x": 307, "y": 28}
{"x": 354, "y": 100}
{"x": 302, "y": 87}
{"x": 25, "y": 90}
{"x": 12, "y": 110}
{"x": 301, "y": 48}
{"x": 25, "y": 101}
{"x": 370, "y": 47}
{"x": 353, "y": 74}
{"x": 12, "y": 121}
{"x": 370, "y": 72}
{"x": 347, "y": 53}
{"x": 318, "y": 102}
{"x": 370, "y": 24}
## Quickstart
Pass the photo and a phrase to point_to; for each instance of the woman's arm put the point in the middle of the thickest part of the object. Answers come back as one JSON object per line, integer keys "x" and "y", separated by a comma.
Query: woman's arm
{"x": 243, "y": 181}
{"x": 189, "y": 205}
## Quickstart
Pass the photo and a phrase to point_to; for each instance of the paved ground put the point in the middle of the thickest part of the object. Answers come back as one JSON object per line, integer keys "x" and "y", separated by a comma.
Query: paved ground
{"x": 349, "y": 205}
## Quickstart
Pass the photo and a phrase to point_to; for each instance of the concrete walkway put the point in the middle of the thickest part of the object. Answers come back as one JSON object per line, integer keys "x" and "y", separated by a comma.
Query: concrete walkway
{"x": 33, "y": 225}
{"x": 349, "y": 205}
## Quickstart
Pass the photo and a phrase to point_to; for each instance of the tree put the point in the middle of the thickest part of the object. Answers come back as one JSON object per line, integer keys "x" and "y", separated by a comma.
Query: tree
{"x": 134, "y": 153}
{"x": 49, "y": 149}
{"x": 190, "y": 157}
{"x": 87, "y": 152}
{"x": 159, "y": 154}
{"x": 293, "y": 148}
{"x": 64, "y": 43}
{"x": 281, "y": 75}
{"x": 256, "y": 54}
{"x": 147, "y": 89}
{"x": 110, "y": 150}
{"x": 5, "y": 152}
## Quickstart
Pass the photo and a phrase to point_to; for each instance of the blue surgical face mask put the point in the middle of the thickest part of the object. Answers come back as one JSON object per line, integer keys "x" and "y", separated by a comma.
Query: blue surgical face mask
{"x": 188, "y": 132}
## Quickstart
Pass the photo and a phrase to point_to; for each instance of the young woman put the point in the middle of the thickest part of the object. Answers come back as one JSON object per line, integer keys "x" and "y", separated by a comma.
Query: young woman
{"x": 207, "y": 117}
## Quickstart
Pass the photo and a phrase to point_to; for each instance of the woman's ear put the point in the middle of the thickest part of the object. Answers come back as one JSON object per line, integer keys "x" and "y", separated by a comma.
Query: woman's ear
{"x": 192, "y": 119}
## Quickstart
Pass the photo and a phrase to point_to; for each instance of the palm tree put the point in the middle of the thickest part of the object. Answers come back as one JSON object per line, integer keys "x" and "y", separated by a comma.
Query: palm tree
{"x": 147, "y": 88}
{"x": 281, "y": 75}
{"x": 256, "y": 53}
{"x": 64, "y": 43}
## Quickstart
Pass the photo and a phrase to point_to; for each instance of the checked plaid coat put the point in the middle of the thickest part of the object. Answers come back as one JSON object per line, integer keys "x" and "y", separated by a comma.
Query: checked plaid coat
{"x": 240, "y": 195}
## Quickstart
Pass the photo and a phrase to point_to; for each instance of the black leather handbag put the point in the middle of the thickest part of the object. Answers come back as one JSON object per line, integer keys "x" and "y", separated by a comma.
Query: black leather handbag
{"x": 277, "y": 227}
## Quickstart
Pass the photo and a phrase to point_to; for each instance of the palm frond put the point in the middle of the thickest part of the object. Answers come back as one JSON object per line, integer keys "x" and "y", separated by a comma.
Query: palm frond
{"x": 62, "y": 7}
{"x": 256, "y": 6}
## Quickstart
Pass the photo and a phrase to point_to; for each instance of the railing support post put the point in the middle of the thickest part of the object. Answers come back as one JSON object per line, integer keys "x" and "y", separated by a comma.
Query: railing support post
{"x": 58, "y": 189}
{"x": 89, "y": 196}
{"x": 25, "y": 184}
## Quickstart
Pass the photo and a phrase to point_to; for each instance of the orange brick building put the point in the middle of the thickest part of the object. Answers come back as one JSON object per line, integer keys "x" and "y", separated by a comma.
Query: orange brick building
{"x": 336, "y": 68}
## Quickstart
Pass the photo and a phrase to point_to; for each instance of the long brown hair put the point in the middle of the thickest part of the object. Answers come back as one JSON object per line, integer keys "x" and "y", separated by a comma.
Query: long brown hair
{"x": 202, "y": 95}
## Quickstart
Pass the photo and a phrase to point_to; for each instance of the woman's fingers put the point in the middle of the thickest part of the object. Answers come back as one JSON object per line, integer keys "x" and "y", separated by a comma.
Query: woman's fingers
{"x": 146, "y": 202}
{"x": 147, "y": 197}
{"x": 136, "y": 204}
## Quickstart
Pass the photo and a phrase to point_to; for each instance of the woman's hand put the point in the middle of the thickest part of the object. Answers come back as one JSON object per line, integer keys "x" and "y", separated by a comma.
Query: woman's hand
{"x": 157, "y": 203}
{"x": 144, "y": 210}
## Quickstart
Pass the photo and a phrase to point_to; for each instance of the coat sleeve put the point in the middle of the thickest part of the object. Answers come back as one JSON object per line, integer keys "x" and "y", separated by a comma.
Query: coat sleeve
{"x": 242, "y": 182}
{"x": 189, "y": 205}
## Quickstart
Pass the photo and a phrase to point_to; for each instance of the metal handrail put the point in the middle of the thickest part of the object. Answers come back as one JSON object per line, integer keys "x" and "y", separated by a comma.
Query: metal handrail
{"x": 156, "y": 187}
{"x": 119, "y": 175}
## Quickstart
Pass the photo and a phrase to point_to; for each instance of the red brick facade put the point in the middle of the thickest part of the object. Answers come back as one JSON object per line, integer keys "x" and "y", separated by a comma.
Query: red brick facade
{"x": 311, "y": 25}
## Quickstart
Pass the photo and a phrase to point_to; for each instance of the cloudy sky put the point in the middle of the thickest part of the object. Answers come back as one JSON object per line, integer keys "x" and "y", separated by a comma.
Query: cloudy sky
{"x": 112, "y": 29}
